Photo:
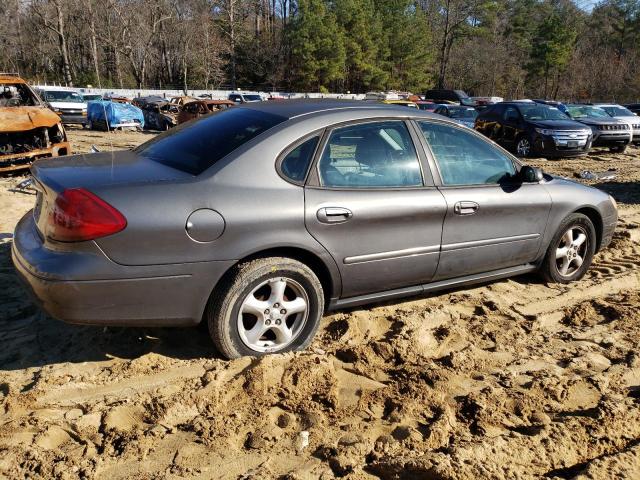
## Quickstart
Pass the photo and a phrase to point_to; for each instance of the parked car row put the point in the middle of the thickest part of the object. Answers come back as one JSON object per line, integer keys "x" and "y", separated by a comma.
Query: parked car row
{"x": 552, "y": 129}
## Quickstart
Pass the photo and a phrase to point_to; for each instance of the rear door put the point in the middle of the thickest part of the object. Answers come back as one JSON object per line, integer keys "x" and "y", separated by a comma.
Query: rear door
{"x": 492, "y": 221}
{"x": 371, "y": 204}
{"x": 511, "y": 126}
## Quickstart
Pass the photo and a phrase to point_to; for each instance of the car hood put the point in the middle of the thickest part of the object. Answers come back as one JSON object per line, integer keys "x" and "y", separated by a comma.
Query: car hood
{"x": 102, "y": 169}
{"x": 69, "y": 105}
{"x": 20, "y": 119}
{"x": 632, "y": 120}
{"x": 598, "y": 121}
{"x": 557, "y": 124}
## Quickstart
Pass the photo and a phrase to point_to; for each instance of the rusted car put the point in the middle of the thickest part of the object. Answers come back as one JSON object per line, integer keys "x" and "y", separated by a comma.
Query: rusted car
{"x": 160, "y": 115}
{"x": 198, "y": 108}
{"x": 28, "y": 129}
{"x": 180, "y": 101}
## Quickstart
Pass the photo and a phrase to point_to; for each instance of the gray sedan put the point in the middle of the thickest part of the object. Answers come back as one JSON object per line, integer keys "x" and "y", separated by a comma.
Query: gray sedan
{"x": 260, "y": 218}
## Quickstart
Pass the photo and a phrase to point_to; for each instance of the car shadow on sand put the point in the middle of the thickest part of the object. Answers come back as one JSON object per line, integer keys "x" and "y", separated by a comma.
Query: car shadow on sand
{"x": 623, "y": 192}
{"x": 33, "y": 339}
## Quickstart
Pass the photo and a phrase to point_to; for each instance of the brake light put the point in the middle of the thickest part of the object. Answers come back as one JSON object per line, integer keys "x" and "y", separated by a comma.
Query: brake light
{"x": 80, "y": 215}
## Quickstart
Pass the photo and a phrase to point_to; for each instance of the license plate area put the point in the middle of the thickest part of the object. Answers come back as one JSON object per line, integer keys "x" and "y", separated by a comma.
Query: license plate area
{"x": 572, "y": 144}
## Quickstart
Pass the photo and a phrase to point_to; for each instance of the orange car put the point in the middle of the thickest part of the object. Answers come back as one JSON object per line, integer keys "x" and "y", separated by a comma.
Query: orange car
{"x": 197, "y": 108}
{"x": 28, "y": 129}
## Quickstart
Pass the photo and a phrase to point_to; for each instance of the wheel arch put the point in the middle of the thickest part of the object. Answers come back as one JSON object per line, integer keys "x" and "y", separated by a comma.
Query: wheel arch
{"x": 594, "y": 215}
{"x": 330, "y": 281}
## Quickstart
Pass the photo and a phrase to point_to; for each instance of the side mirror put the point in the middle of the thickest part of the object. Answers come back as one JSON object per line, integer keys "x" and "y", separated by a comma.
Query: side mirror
{"x": 531, "y": 174}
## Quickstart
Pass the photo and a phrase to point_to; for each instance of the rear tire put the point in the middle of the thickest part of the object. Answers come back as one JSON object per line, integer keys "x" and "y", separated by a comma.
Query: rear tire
{"x": 268, "y": 305}
{"x": 571, "y": 250}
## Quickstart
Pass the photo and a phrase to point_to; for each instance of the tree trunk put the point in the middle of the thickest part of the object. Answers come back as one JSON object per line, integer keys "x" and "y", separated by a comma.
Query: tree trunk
{"x": 93, "y": 42}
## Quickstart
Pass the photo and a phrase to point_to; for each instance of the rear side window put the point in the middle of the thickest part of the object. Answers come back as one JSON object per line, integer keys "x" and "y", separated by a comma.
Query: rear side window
{"x": 370, "y": 155}
{"x": 296, "y": 163}
{"x": 195, "y": 146}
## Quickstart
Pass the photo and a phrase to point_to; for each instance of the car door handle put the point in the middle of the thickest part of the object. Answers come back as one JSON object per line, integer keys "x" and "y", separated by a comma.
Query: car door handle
{"x": 334, "y": 214}
{"x": 465, "y": 208}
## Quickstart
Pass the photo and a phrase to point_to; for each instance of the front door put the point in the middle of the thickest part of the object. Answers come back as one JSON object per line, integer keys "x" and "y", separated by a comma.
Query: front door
{"x": 370, "y": 209}
{"x": 493, "y": 221}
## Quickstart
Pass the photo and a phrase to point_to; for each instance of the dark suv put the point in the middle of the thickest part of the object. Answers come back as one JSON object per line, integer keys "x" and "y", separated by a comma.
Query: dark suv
{"x": 457, "y": 96}
{"x": 529, "y": 128}
{"x": 607, "y": 131}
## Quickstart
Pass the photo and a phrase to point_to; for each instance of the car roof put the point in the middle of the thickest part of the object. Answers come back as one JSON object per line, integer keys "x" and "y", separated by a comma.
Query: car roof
{"x": 11, "y": 79}
{"x": 297, "y": 108}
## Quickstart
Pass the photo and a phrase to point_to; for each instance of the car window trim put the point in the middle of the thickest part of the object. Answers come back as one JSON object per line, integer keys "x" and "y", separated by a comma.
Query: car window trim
{"x": 436, "y": 167}
{"x": 287, "y": 150}
{"x": 313, "y": 180}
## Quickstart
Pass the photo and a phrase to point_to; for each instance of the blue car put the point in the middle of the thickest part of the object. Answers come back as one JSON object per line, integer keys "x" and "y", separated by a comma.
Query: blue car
{"x": 108, "y": 115}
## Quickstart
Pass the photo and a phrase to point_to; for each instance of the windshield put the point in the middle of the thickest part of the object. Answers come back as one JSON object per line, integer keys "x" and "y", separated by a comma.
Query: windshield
{"x": 541, "y": 112}
{"x": 468, "y": 113}
{"x": 618, "y": 111}
{"x": 62, "y": 96}
{"x": 17, "y": 95}
{"x": 582, "y": 111}
{"x": 90, "y": 98}
{"x": 195, "y": 146}
{"x": 252, "y": 98}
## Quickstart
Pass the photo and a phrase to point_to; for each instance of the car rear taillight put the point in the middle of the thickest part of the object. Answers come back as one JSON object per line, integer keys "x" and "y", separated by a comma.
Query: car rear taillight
{"x": 80, "y": 215}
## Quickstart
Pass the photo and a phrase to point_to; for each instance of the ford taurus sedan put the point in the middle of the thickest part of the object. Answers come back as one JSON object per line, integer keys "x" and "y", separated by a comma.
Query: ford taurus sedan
{"x": 259, "y": 218}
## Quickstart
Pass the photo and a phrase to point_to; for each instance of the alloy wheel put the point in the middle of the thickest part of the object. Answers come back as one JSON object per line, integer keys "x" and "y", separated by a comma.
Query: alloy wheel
{"x": 571, "y": 251}
{"x": 524, "y": 147}
{"x": 273, "y": 314}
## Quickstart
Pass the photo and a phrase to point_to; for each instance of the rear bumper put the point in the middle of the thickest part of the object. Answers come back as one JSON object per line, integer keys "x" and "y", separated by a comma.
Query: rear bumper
{"x": 86, "y": 287}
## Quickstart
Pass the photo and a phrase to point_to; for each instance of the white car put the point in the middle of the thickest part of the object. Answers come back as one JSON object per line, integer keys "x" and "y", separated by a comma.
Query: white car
{"x": 627, "y": 116}
{"x": 68, "y": 103}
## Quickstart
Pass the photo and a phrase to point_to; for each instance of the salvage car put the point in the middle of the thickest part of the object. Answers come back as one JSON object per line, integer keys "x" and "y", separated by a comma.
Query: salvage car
{"x": 258, "y": 219}
{"x": 199, "y": 108}
{"x": 607, "y": 132}
{"x": 530, "y": 128}
{"x": 240, "y": 97}
{"x": 624, "y": 114}
{"x": 67, "y": 103}
{"x": 160, "y": 115}
{"x": 111, "y": 115}
{"x": 182, "y": 100}
{"x": 28, "y": 129}
{"x": 463, "y": 115}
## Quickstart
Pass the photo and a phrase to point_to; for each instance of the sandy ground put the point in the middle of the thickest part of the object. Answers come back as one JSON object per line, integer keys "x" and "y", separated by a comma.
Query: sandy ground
{"x": 514, "y": 379}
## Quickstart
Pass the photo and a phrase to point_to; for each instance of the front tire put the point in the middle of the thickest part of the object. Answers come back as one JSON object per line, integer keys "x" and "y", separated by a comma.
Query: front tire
{"x": 618, "y": 149}
{"x": 268, "y": 305}
{"x": 571, "y": 250}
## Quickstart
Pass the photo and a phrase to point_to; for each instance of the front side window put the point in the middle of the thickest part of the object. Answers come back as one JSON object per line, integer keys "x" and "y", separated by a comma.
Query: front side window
{"x": 195, "y": 146}
{"x": 370, "y": 155}
{"x": 464, "y": 158}
{"x": 296, "y": 163}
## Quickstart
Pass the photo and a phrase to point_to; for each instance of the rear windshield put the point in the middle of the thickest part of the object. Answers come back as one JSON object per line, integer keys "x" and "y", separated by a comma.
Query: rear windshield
{"x": 195, "y": 146}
